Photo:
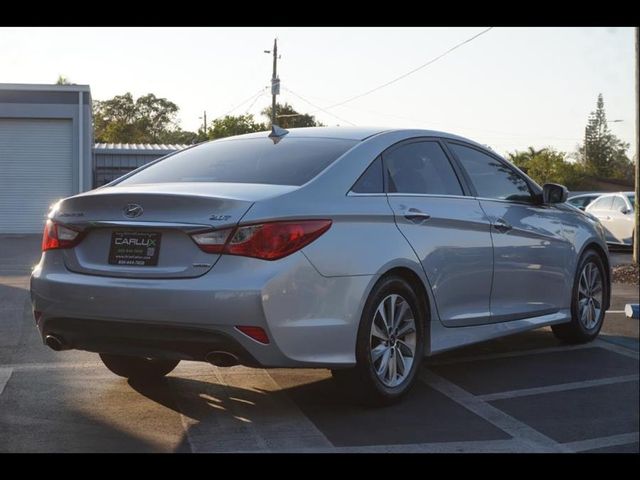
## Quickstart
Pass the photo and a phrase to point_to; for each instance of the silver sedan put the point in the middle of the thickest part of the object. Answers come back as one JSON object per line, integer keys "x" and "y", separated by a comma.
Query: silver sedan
{"x": 357, "y": 250}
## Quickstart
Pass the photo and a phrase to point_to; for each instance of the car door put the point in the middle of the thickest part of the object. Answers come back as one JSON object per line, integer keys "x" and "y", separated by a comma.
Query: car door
{"x": 532, "y": 258}
{"x": 448, "y": 230}
{"x": 601, "y": 209}
{"x": 621, "y": 222}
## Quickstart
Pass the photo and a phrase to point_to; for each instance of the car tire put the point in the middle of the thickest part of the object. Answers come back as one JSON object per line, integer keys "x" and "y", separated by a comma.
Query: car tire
{"x": 396, "y": 343}
{"x": 590, "y": 291}
{"x": 138, "y": 368}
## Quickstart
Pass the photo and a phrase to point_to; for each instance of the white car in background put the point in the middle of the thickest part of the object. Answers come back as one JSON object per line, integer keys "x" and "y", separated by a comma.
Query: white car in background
{"x": 616, "y": 214}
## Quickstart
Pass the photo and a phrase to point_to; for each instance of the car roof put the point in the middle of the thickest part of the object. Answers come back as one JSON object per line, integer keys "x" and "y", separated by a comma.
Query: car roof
{"x": 351, "y": 133}
{"x": 609, "y": 194}
{"x": 586, "y": 195}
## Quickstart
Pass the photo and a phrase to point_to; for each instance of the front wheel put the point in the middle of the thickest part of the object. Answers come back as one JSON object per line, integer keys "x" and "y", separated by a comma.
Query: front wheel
{"x": 389, "y": 346}
{"x": 138, "y": 368}
{"x": 590, "y": 293}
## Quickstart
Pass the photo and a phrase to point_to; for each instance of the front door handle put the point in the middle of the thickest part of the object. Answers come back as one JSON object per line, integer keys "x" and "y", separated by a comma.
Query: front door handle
{"x": 416, "y": 216}
{"x": 502, "y": 225}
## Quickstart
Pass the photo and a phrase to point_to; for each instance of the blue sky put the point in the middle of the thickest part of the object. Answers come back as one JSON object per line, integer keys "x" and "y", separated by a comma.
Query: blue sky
{"x": 509, "y": 88}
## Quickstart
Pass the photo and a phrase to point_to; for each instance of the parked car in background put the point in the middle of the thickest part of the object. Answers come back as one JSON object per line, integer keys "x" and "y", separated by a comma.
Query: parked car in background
{"x": 357, "y": 250}
{"x": 616, "y": 213}
{"x": 582, "y": 201}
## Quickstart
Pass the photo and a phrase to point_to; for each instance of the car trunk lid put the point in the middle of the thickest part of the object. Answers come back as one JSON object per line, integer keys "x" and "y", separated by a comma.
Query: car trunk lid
{"x": 144, "y": 231}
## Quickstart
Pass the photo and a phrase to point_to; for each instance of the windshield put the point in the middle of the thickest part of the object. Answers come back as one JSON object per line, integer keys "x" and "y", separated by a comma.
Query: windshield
{"x": 290, "y": 161}
{"x": 632, "y": 201}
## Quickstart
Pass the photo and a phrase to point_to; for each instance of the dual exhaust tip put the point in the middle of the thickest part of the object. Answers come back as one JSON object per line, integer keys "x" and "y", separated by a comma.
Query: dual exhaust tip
{"x": 217, "y": 358}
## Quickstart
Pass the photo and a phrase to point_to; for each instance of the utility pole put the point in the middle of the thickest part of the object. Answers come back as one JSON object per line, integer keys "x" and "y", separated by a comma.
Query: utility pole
{"x": 636, "y": 247}
{"x": 275, "y": 81}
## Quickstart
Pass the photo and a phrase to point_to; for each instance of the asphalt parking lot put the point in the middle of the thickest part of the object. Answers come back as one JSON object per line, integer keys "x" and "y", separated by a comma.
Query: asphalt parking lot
{"x": 526, "y": 393}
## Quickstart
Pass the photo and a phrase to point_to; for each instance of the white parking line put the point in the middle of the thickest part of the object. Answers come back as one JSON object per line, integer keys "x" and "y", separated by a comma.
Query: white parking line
{"x": 518, "y": 430}
{"x": 602, "y": 442}
{"x": 525, "y": 392}
{"x": 614, "y": 347}
{"x": 615, "y": 311}
{"x": 5, "y": 374}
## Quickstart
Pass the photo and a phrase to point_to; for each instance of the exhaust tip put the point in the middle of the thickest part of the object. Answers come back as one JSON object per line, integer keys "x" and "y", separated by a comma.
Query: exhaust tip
{"x": 222, "y": 359}
{"x": 55, "y": 343}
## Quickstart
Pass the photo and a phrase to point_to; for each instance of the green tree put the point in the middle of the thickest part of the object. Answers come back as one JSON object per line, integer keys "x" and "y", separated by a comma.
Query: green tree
{"x": 288, "y": 117}
{"x": 602, "y": 153}
{"x": 62, "y": 80}
{"x": 231, "y": 125}
{"x": 148, "y": 119}
{"x": 550, "y": 166}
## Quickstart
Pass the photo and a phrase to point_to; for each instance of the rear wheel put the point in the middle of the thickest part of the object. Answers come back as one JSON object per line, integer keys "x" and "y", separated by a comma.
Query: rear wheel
{"x": 138, "y": 368}
{"x": 590, "y": 292}
{"x": 389, "y": 347}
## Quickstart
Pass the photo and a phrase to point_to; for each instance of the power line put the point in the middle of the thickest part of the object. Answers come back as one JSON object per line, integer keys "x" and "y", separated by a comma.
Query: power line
{"x": 411, "y": 71}
{"x": 252, "y": 97}
{"x": 314, "y": 106}
{"x": 255, "y": 100}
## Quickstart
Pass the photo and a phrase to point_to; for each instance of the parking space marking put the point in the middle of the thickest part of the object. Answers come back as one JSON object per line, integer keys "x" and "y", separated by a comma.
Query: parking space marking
{"x": 612, "y": 441}
{"x": 517, "y": 429}
{"x": 614, "y": 347}
{"x": 524, "y": 392}
{"x": 5, "y": 374}
{"x": 516, "y": 353}
{"x": 615, "y": 311}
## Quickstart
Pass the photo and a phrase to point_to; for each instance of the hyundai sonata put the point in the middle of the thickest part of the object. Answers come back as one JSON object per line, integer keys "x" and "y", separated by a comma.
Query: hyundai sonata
{"x": 357, "y": 250}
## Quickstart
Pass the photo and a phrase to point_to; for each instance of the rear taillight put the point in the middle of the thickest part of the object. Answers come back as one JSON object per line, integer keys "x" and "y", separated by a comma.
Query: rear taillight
{"x": 267, "y": 241}
{"x": 58, "y": 236}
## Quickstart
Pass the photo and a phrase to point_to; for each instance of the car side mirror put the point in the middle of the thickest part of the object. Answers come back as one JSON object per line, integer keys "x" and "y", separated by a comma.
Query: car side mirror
{"x": 624, "y": 210}
{"x": 554, "y": 193}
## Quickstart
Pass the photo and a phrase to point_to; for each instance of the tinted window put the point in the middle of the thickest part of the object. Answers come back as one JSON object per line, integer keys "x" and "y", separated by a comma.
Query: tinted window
{"x": 291, "y": 161}
{"x": 618, "y": 202}
{"x": 421, "y": 167}
{"x": 579, "y": 202}
{"x": 371, "y": 179}
{"x": 492, "y": 178}
{"x": 602, "y": 203}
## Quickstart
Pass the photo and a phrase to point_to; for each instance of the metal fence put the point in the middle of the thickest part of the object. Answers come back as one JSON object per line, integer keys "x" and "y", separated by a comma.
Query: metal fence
{"x": 112, "y": 160}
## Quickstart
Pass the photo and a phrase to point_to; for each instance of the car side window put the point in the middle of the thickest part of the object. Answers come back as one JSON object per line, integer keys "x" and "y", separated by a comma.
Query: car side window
{"x": 603, "y": 203}
{"x": 371, "y": 180}
{"x": 618, "y": 202}
{"x": 420, "y": 167}
{"x": 491, "y": 177}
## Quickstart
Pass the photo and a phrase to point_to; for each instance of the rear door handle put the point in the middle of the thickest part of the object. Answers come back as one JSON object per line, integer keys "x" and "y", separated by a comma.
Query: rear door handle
{"x": 416, "y": 216}
{"x": 502, "y": 225}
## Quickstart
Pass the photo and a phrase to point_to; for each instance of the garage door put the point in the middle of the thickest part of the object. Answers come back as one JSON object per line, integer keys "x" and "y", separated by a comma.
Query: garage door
{"x": 36, "y": 169}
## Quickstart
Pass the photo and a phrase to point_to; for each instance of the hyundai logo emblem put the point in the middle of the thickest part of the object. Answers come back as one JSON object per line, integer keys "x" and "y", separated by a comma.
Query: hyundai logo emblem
{"x": 133, "y": 210}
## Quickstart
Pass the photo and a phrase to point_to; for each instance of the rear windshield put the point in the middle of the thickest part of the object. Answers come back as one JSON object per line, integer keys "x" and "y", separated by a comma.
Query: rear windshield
{"x": 291, "y": 161}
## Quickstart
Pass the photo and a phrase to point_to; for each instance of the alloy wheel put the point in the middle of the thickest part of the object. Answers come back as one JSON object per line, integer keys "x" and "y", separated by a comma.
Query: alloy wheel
{"x": 393, "y": 340}
{"x": 590, "y": 295}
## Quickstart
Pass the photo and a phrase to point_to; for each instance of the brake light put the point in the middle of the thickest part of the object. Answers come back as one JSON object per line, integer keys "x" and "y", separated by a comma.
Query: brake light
{"x": 58, "y": 236}
{"x": 267, "y": 241}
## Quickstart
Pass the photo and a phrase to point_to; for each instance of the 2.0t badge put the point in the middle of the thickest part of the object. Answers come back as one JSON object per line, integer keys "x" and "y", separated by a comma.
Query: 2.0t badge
{"x": 133, "y": 210}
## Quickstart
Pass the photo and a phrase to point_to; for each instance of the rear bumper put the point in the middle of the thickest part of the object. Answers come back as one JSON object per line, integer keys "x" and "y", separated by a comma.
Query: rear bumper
{"x": 143, "y": 339}
{"x": 311, "y": 320}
